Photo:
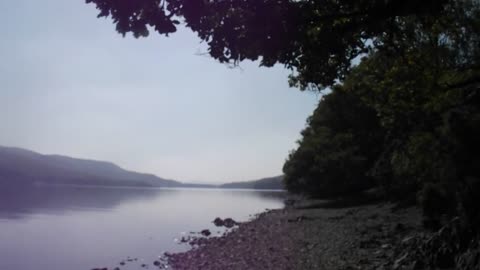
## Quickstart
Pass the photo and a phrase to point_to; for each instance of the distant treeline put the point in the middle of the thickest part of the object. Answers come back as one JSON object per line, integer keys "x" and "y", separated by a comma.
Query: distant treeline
{"x": 269, "y": 183}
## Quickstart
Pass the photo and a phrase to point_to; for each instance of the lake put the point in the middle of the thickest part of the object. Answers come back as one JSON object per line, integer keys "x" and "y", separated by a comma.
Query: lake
{"x": 80, "y": 228}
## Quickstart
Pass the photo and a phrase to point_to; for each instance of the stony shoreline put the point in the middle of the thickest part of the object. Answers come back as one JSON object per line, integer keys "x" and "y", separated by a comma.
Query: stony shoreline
{"x": 309, "y": 235}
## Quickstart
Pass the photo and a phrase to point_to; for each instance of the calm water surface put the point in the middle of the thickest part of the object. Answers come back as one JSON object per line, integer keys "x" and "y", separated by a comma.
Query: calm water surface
{"x": 80, "y": 228}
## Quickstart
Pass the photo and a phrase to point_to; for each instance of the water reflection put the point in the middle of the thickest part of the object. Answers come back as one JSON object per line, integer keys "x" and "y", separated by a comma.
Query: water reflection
{"x": 21, "y": 202}
{"x": 79, "y": 228}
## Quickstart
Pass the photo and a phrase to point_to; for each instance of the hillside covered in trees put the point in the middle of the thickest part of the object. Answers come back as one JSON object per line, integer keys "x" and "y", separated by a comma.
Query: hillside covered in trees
{"x": 401, "y": 92}
{"x": 272, "y": 183}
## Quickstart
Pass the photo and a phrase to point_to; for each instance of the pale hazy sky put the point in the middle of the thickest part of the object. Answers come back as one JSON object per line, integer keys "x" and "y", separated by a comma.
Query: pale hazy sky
{"x": 69, "y": 84}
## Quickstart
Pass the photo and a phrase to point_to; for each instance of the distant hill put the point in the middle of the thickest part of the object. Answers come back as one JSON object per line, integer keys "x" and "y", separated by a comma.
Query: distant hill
{"x": 265, "y": 183}
{"x": 23, "y": 167}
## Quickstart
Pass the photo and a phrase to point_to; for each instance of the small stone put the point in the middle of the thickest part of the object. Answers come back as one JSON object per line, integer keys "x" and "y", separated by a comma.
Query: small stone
{"x": 206, "y": 232}
{"x": 229, "y": 223}
{"x": 218, "y": 222}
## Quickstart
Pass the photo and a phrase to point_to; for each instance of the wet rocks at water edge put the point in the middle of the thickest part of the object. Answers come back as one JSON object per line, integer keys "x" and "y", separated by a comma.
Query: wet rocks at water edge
{"x": 206, "y": 232}
{"x": 218, "y": 222}
{"x": 228, "y": 222}
{"x": 185, "y": 239}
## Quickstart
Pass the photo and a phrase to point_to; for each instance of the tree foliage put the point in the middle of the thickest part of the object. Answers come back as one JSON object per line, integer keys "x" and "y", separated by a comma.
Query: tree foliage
{"x": 342, "y": 139}
{"x": 317, "y": 39}
{"x": 422, "y": 82}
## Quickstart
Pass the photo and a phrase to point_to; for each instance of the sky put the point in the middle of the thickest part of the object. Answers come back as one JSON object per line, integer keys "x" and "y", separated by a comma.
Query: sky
{"x": 71, "y": 85}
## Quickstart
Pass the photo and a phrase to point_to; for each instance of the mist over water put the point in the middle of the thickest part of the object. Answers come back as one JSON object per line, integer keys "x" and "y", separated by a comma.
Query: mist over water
{"x": 83, "y": 228}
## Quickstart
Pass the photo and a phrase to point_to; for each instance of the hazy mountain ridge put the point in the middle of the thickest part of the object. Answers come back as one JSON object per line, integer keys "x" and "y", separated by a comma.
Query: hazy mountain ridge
{"x": 20, "y": 166}
{"x": 275, "y": 182}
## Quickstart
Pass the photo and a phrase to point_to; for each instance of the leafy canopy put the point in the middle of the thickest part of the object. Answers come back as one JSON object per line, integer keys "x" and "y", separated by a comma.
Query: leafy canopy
{"x": 317, "y": 39}
{"x": 407, "y": 116}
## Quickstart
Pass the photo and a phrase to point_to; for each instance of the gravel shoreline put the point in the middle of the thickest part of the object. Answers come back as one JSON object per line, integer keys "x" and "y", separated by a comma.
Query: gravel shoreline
{"x": 308, "y": 236}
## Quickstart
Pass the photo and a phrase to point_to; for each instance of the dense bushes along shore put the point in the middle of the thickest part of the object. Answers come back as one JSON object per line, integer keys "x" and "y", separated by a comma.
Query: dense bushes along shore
{"x": 406, "y": 119}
